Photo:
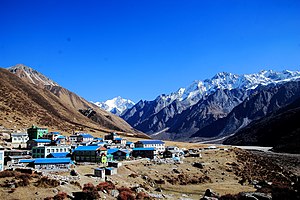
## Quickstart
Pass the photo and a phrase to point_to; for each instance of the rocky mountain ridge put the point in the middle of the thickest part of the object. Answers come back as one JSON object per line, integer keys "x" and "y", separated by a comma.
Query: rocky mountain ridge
{"x": 181, "y": 114}
{"x": 55, "y": 106}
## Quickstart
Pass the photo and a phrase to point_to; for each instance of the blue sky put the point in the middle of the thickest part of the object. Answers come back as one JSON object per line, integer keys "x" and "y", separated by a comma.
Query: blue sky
{"x": 140, "y": 49}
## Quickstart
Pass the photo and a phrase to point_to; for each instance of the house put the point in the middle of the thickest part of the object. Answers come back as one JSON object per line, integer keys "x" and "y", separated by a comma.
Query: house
{"x": 144, "y": 152}
{"x": 172, "y": 153}
{"x": 99, "y": 172}
{"x": 85, "y": 138}
{"x": 121, "y": 154}
{"x": 19, "y": 140}
{"x": 158, "y": 145}
{"x": 36, "y": 133}
{"x": 51, "y": 135}
{"x": 44, "y": 151}
{"x": 110, "y": 152}
{"x": 90, "y": 154}
{"x": 96, "y": 139}
{"x": 60, "y": 140}
{"x": 1, "y": 158}
{"x": 120, "y": 141}
{"x": 111, "y": 136}
{"x": 37, "y": 143}
{"x": 129, "y": 145}
{"x": 111, "y": 171}
{"x": 49, "y": 164}
{"x": 73, "y": 139}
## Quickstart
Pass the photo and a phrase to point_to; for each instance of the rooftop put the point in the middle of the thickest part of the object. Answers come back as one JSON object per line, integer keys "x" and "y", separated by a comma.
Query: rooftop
{"x": 42, "y": 140}
{"x": 52, "y": 160}
{"x": 151, "y": 142}
{"x": 144, "y": 149}
{"x": 86, "y": 135}
{"x": 86, "y": 148}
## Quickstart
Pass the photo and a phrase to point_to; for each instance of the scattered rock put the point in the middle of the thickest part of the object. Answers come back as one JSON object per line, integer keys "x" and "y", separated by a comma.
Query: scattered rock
{"x": 114, "y": 193}
{"x": 211, "y": 193}
{"x": 176, "y": 171}
{"x": 158, "y": 190}
{"x": 198, "y": 165}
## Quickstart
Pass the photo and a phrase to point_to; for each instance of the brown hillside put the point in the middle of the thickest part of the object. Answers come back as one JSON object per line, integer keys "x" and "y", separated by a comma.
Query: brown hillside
{"x": 23, "y": 104}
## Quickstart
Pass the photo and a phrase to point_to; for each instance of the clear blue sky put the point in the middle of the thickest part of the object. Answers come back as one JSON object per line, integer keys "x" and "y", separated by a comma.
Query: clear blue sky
{"x": 140, "y": 49}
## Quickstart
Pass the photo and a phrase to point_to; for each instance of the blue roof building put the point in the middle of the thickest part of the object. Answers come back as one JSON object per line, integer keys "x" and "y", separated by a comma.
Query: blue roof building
{"x": 49, "y": 164}
{"x": 157, "y": 144}
{"x": 144, "y": 152}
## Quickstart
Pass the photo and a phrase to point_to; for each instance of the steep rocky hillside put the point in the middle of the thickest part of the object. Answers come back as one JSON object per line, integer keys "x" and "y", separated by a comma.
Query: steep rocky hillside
{"x": 280, "y": 130}
{"x": 24, "y": 103}
{"x": 264, "y": 101}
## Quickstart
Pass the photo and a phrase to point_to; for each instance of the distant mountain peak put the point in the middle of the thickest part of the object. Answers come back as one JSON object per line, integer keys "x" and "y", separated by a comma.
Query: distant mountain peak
{"x": 31, "y": 75}
{"x": 116, "y": 105}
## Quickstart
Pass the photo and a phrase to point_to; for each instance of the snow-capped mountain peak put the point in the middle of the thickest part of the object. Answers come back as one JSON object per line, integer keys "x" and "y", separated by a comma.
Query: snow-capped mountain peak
{"x": 225, "y": 80}
{"x": 116, "y": 105}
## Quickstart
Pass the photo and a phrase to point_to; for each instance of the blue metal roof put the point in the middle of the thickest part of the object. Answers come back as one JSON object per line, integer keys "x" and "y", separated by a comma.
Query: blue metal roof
{"x": 61, "y": 137}
{"x": 151, "y": 142}
{"x": 26, "y": 160}
{"x": 100, "y": 168}
{"x": 110, "y": 151}
{"x": 86, "y": 135}
{"x": 52, "y": 160}
{"x": 144, "y": 149}
{"x": 129, "y": 142}
{"x": 118, "y": 138}
{"x": 60, "y": 154}
{"x": 54, "y": 133}
{"x": 86, "y": 148}
{"x": 42, "y": 140}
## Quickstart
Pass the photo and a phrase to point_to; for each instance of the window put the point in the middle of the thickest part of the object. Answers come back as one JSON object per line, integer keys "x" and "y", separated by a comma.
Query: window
{"x": 52, "y": 150}
{"x": 48, "y": 150}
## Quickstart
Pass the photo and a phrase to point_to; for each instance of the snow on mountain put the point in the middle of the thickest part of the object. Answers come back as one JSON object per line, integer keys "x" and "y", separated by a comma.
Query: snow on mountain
{"x": 30, "y": 75}
{"x": 116, "y": 105}
{"x": 224, "y": 80}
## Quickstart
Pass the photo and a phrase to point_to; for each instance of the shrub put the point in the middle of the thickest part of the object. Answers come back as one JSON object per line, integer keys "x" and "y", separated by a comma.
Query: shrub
{"x": 142, "y": 196}
{"x": 7, "y": 173}
{"x": 90, "y": 191}
{"x": 46, "y": 182}
{"x": 60, "y": 196}
{"x": 125, "y": 195}
{"x": 105, "y": 186}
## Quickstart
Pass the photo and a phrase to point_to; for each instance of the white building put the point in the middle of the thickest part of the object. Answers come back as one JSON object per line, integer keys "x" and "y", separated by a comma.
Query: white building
{"x": 44, "y": 151}
{"x": 19, "y": 140}
{"x": 158, "y": 145}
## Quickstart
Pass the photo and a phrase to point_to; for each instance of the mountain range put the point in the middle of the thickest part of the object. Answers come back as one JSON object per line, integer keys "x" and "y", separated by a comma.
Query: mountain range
{"x": 116, "y": 105}
{"x": 28, "y": 97}
{"x": 209, "y": 109}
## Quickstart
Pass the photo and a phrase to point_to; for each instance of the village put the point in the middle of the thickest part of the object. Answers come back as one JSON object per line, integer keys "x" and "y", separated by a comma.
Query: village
{"x": 53, "y": 152}
{"x": 113, "y": 166}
